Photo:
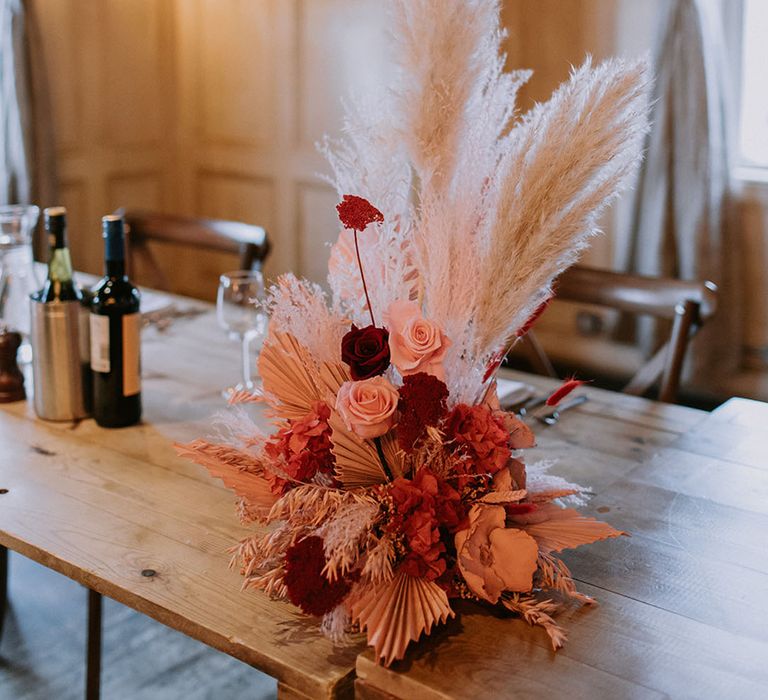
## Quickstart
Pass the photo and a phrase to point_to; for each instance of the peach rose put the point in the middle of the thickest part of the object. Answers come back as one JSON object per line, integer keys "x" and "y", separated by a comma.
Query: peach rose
{"x": 367, "y": 407}
{"x": 493, "y": 558}
{"x": 416, "y": 344}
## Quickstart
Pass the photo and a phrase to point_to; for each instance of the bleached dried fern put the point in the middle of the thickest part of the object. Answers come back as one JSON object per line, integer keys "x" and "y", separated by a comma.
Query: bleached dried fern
{"x": 337, "y": 625}
{"x": 300, "y": 308}
{"x": 343, "y": 534}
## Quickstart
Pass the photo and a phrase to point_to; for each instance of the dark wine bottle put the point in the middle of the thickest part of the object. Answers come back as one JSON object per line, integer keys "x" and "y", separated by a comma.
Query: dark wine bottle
{"x": 60, "y": 285}
{"x": 115, "y": 336}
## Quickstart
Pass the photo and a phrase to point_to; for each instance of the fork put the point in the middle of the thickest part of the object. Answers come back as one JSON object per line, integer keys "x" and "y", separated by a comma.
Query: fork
{"x": 553, "y": 417}
{"x": 522, "y": 408}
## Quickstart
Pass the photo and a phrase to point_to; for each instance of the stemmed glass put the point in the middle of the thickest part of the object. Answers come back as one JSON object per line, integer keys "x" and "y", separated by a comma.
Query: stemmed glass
{"x": 240, "y": 311}
{"x": 17, "y": 273}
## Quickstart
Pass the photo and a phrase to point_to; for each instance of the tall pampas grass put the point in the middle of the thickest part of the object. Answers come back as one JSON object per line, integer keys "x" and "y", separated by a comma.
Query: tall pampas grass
{"x": 443, "y": 51}
{"x": 483, "y": 209}
{"x": 566, "y": 161}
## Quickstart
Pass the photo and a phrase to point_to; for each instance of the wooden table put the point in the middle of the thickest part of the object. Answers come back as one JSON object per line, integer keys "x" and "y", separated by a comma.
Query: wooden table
{"x": 682, "y": 602}
{"x": 117, "y": 511}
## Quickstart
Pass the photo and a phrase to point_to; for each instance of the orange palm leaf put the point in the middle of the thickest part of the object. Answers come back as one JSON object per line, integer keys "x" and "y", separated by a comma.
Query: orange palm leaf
{"x": 357, "y": 460}
{"x": 240, "y": 471}
{"x": 566, "y": 528}
{"x": 289, "y": 375}
{"x": 332, "y": 376}
{"x": 398, "y": 612}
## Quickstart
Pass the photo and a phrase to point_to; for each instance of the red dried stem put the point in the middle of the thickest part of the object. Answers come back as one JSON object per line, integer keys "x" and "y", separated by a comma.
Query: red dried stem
{"x": 362, "y": 276}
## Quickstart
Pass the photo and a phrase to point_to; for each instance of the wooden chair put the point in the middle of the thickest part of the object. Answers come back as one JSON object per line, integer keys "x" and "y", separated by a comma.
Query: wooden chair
{"x": 250, "y": 242}
{"x": 687, "y": 305}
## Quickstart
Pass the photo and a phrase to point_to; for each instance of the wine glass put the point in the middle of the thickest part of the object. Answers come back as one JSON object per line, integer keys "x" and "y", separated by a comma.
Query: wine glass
{"x": 240, "y": 311}
{"x": 17, "y": 274}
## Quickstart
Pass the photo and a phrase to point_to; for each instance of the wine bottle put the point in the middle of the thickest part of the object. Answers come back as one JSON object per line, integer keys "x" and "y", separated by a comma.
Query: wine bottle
{"x": 115, "y": 336}
{"x": 59, "y": 332}
{"x": 59, "y": 285}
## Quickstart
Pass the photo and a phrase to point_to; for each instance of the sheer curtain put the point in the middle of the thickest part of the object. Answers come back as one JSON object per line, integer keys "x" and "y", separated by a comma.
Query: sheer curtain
{"x": 682, "y": 224}
{"x": 27, "y": 155}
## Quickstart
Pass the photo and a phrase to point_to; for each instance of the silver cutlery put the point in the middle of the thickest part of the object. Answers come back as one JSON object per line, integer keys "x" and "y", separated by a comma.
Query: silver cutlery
{"x": 523, "y": 408}
{"x": 553, "y": 416}
{"x": 162, "y": 319}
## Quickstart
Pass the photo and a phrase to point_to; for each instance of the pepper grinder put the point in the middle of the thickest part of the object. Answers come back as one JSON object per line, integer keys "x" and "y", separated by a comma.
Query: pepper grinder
{"x": 11, "y": 378}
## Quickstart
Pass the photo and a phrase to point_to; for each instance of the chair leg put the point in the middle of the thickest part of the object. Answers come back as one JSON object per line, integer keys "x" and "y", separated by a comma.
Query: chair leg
{"x": 3, "y": 586}
{"x": 93, "y": 655}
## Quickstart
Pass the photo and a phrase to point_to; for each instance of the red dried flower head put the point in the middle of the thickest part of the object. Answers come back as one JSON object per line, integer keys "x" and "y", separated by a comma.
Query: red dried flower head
{"x": 422, "y": 403}
{"x": 366, "y": 351}
{"x": 423, "y": 507}
{"x": 356, "y": 213}
{"x": 308, "y": 588}
{"x": 481, "y": 437}
{"x": 301, "y": 449}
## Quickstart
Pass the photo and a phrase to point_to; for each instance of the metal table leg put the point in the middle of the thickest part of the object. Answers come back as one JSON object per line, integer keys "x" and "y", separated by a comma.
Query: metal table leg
{"x": 93, "y": 656}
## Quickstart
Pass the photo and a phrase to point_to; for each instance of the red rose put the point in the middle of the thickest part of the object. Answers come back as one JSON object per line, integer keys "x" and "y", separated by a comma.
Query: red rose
{"x": 366, "y": 351}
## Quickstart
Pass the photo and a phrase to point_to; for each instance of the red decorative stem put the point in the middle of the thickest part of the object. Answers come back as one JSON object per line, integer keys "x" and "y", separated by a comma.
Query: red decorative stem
{"x": 362, "y": 276}
{"x": 563, "y": 390}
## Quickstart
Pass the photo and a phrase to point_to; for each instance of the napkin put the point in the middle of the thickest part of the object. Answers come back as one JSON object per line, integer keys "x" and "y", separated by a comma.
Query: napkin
{"x": 511, "y": 391}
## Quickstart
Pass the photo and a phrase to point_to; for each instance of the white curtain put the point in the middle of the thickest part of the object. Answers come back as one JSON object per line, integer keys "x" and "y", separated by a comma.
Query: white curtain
{"x": 681, "y": 220}
{"x": 27, "y": 156}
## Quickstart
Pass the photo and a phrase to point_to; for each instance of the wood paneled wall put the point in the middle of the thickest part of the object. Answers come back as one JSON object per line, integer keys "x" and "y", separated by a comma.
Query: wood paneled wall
{"x": 110, "y": 67}
{"x": 213, "y": 107}
{"x": 207, "y": 107}
{"x": 261, "y": 82}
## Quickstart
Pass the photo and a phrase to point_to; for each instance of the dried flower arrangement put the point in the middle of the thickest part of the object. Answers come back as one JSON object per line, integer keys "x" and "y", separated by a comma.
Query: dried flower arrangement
{"x": 394, "y": 481}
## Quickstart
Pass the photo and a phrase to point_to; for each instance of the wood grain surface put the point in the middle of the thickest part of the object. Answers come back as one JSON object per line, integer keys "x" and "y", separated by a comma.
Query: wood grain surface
{"x": 107, "y": 508}
{"x": 682, "y": 602}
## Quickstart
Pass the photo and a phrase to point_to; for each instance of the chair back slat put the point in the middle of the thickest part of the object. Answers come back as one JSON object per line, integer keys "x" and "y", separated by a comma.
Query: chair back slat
{"x": 637, "y": 294}
{"x": 248, "y": 241}
{"x": 687, "y": 304}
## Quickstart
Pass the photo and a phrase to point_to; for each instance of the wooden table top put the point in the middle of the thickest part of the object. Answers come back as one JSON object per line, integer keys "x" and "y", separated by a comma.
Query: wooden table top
{"x": 682, "y": 601}
{"x": 103, "y": 506}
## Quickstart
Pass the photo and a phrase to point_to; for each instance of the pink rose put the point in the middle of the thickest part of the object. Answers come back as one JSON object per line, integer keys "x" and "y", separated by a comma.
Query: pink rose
{"x": 493, "y": 558}
{"x": 367, "y": 407}
{"x": 415, "y": 343}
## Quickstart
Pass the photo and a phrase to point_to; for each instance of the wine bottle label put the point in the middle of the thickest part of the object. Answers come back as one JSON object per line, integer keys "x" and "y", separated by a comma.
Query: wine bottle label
{"x": 131, "y": 354}
{"x": 100, "y": 343}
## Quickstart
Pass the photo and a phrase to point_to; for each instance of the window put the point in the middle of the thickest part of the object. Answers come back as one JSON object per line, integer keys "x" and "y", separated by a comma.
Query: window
{"x": 753, "y": 124}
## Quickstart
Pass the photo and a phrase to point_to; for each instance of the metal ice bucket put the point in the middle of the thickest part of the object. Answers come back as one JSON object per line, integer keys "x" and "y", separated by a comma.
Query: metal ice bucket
{"x": 60, "y": 360}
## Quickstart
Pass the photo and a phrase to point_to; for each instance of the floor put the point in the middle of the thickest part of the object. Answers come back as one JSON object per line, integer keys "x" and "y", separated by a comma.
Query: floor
{"x": 42, "y": 650}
